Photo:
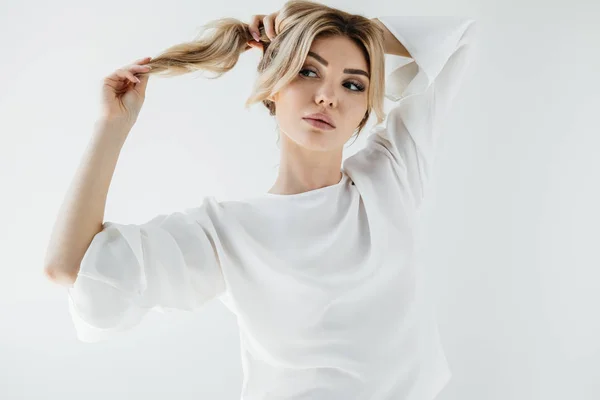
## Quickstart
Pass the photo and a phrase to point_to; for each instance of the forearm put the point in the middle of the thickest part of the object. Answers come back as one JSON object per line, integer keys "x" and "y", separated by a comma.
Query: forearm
{"x": 391, "y": 45}
{"x": 82, "y": 212}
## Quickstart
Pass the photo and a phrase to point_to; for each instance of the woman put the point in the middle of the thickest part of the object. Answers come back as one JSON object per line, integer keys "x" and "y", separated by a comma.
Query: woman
{"x": 320, "y": 271}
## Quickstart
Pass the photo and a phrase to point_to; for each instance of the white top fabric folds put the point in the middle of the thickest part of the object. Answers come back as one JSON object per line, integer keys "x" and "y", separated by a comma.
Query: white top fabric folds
{"x": 324, "y": 284}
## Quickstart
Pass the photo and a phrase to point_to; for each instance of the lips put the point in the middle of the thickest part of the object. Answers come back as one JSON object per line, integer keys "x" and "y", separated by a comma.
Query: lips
{"x": 320, "y": 120}
{"x": 319, "y": 124}
{"x": 321, "y": 117}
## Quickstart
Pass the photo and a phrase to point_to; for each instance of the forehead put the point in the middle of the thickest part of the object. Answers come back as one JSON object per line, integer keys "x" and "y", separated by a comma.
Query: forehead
{"x": 339, "y": 50}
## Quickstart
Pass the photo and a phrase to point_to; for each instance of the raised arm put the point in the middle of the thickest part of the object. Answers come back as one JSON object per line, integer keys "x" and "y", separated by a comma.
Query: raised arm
{"x": 422, "y": 91}
{"x": 391, "y": 45}
{"x": 81, "y": 215}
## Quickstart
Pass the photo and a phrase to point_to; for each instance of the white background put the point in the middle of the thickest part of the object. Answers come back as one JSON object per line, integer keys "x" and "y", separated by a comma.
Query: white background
{"x": 512, "y": 218}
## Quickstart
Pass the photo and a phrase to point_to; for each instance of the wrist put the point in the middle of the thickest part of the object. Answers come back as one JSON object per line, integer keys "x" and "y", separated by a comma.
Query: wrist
{"x": 115, "y": 122}
{"x": 114, "y": 128}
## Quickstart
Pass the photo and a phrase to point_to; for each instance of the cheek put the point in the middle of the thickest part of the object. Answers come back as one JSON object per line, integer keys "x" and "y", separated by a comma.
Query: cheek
{"x": 358, "y": 110}
{"x": 290, "y": 96}
{"x": 296, "y": 93}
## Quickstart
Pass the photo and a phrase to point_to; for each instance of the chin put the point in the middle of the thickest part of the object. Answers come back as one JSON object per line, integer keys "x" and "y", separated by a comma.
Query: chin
{"x": 319, "y": 141}
{"x": 314, "y": 139}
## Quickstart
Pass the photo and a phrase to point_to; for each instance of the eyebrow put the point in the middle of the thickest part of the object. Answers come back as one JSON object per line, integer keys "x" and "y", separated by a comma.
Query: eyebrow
{"x": 346, "y": 71}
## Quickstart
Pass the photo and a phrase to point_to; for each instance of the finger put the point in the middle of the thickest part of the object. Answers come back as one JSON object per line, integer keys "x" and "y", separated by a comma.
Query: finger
{"x": 141, "y": 87}
{"x": 269, "y": 26}
{"x": 256, "y": 45}
{"x": 127, "y": 74}
{"x": 135, "y": 70}
{"x": 248, "y": 45}
{"x": 144, "y": 60}
{"x": 117, "y": 78}
{"x": 115, "y": 85}
{"x": 253, "y": 26}
{"x": 276, "y": 22}
{"x": 140, "y": 68}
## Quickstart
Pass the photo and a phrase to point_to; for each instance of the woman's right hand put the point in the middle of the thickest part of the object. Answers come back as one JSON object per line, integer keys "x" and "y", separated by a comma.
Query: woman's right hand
{"x": 124, "y": 91}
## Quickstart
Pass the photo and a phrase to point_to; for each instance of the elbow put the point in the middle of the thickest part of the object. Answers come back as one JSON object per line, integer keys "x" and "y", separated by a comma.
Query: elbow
{"x": 60, "y": 276}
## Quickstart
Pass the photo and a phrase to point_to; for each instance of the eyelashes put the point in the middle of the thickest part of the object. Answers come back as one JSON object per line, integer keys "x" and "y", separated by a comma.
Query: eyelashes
{"x": 359, "y": 86}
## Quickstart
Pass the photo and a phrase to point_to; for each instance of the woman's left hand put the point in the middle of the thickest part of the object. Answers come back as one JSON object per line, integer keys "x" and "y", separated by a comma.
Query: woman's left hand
{"x": 269, "y": 23}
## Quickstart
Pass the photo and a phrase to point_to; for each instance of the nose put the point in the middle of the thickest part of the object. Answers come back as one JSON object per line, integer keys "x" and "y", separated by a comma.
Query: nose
{"x": 326, "y": 96}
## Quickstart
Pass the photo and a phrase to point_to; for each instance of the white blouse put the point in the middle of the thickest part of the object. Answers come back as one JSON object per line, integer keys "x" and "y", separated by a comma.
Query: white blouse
{"x": 324, "y": 284}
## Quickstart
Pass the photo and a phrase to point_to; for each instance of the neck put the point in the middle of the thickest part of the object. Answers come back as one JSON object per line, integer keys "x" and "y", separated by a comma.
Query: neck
{"x": 302, "y": 170}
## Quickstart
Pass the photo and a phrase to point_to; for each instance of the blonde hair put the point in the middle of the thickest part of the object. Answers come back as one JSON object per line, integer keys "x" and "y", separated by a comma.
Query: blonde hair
{"x": 300, "y": 22}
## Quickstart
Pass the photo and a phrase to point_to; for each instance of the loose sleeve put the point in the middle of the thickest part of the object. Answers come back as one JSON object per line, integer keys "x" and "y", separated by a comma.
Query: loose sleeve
{"x": 169, "y": 262}
{"x": 422, "y": 92}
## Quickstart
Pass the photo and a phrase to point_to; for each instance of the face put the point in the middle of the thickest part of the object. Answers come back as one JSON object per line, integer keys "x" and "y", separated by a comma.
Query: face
{"x": 330, "y": 82}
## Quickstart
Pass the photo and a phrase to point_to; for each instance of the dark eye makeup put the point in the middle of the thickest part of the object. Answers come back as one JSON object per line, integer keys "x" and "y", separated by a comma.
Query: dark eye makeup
{"x": 360, "y": 86}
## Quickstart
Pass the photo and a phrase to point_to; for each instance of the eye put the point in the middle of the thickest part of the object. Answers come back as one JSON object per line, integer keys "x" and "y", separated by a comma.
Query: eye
{"x": 302, "y": 70}
{"x": 360, "y": 87}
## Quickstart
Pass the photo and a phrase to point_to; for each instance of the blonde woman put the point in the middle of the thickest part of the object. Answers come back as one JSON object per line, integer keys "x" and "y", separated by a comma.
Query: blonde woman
{"x": 320, "y": 271}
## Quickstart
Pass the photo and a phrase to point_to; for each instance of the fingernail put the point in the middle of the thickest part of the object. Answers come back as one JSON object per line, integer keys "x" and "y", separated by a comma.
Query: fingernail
{"x": 255, "y": 36}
